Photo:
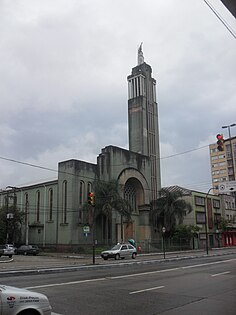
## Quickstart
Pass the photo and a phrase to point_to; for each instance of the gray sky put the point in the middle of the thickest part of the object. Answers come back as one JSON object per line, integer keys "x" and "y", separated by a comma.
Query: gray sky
{"x": 63, "y": 82}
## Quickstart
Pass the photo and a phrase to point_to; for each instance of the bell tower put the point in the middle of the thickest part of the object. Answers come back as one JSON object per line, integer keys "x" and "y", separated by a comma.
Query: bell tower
{"x": 143, "y": 118}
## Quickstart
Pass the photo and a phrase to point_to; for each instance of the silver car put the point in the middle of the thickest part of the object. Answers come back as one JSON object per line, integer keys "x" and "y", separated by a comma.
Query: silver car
{"x": 120, "y": 251}
{"x": 14, "y": 301}
{"x": 6, "y": 251}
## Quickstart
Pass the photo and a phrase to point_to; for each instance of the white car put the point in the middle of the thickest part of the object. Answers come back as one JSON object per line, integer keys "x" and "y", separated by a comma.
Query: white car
{"x": 16, "y": 301}
{"x": 120, "y": 251}
{"x": 6, "y": 251}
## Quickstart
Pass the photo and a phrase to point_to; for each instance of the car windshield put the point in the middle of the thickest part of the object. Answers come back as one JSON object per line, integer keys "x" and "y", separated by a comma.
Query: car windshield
{"x": 116, "y": 247}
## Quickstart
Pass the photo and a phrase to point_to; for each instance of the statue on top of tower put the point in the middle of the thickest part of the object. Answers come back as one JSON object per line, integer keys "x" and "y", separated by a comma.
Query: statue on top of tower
{"x": 140, "y": 55}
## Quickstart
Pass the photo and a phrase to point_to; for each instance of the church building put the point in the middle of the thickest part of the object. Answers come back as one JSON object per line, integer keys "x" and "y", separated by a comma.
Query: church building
{"x": 54, "y": 209}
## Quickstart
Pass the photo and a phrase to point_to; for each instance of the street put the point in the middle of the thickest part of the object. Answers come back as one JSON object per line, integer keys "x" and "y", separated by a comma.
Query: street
{"x": 204, "y": 285}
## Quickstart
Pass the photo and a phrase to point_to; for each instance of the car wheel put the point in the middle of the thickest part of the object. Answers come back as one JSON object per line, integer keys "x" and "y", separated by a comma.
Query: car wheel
{"x": 10, "y": 256}
{"x": 25, "y": 253}
{"x": 134, "y": 255}
{"x": 117, "y": 256}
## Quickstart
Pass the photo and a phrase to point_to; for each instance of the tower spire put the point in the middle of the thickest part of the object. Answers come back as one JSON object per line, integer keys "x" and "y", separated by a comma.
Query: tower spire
{"x": 140, "y": 55}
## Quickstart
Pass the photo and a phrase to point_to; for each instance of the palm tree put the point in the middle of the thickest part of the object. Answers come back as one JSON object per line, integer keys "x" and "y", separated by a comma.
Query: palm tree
{"x": 169, "y": 210}
{"x": 108, "y": 198}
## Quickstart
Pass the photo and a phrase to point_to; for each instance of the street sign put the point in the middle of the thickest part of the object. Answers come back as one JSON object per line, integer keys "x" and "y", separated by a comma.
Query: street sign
{"x": 86, "y": 229}
{"x": 228, "y": 186}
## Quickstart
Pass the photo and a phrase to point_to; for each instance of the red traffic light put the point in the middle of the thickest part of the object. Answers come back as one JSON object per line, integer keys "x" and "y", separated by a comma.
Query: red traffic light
{"x": 220, "y": 142}
{"x": 91, "y": 198}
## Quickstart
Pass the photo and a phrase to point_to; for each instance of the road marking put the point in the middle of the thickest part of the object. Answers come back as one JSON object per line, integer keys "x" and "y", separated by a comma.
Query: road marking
{"x": 220, "y": 274}
{"x": 149, "y": 289}
{"x": 172, "y": 269}
{"x": 131, "y": 275}
{"x": 55, "y": 313}
{"x": 64, "y": 283}
{"x": 144, "y": 273}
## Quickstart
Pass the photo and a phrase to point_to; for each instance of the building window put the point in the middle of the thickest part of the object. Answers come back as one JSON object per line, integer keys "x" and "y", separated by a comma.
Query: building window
{"x": 37, "y": 205}
{"x": 200, "y": 217}
{"x": 214, "y": 157}
{"x": 81, "y": 192}
{"x": 216, "y": 203}
{"x": 26, "y": 207}
{"x": 222, "y": 164}
{"x": 50, "y": 201}
{"x": 217, "y": 218}
{"x": 199, "y": 201}
{"x": 130, "y": 196}
{"x": 89, "y": 188}
{"x": 64, "y": 202}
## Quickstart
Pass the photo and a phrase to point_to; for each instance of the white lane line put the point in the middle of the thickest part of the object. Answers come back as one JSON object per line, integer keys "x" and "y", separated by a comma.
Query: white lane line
{"x": 64, "y": 283}
{"x": 220, "y": 274}
{"x": 149, "y": 289}
{"x": 144, "y": 273}
{"x": 55, "y": 313}
{"x": 132, "y": 275}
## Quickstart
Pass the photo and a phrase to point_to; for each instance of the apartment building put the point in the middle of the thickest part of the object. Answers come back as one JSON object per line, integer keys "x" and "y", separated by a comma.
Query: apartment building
{"x": 223, "y": 163}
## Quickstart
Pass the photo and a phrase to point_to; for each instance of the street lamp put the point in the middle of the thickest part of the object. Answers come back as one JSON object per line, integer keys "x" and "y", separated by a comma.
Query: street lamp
{"x": 231, "y": 150}
{"x": 163, "y": 241}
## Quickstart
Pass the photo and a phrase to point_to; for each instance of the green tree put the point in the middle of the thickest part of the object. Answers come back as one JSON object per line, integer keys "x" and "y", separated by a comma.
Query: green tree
{"x": 108, "y": 198}
{"x": 185, "y": 232}
{"x": 10, "y": 229}
{"x": 169, "y": 210}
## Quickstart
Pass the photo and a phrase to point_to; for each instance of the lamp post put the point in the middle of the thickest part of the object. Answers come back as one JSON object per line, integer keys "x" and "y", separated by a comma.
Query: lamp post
{"x": 206, "y": 230}
{"x": 231, "y": 150}
{"x": 163, "y": 241}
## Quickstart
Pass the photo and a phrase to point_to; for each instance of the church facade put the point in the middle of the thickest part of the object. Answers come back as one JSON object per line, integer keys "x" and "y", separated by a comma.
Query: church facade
{"x": 53, "y": 210}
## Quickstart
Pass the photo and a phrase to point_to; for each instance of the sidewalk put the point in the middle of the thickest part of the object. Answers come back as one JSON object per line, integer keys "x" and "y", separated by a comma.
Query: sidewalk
{"x": 55, "y": 262}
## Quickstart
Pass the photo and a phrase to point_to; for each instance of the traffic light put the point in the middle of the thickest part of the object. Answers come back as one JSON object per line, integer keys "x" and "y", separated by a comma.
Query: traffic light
{"x": 91, "y": 198}
{"x": 220, "y": 142}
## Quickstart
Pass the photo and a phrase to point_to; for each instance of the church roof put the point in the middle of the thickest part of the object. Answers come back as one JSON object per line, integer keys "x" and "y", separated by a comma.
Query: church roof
{"x": 184, "y": 191}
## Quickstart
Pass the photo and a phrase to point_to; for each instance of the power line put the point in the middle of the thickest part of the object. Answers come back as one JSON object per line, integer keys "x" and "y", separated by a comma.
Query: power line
{"x": 220, "y": 18}
{"x": 89, "y": 178}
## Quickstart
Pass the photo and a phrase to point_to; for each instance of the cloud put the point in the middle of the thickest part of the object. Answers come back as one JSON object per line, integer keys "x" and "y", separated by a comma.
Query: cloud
{"x": 63, "y": 81}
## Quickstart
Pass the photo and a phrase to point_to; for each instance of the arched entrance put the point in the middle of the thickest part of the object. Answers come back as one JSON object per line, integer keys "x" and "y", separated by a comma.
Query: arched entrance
{"x": 137, "y": 192}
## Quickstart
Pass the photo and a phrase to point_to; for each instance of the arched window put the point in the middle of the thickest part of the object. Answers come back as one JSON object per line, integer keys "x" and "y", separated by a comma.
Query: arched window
{"x": 130, "y": 195}
{"x": 81, "y": 193}
{"x": 37, "y": 205}
{"x": 26, "y": 207}
{"x": 89, "y": 187}
{"x": 64, "y": 202}
{"x": 50, "y": 204}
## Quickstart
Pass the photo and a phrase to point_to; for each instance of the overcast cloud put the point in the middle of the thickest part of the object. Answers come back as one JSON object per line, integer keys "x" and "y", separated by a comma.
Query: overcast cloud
{"x": 63, "y": 82}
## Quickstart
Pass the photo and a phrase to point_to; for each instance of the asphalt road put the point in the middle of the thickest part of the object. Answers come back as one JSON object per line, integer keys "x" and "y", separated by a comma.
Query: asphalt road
{"x": 204, "y": 285}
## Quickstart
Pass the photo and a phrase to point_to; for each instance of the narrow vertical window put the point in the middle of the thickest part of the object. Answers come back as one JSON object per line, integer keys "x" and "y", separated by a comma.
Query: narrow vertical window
{"x": 37, "y": 206}
{"x": 81, "y": 193}
{"x": 26, "y": 207}
{"x": 89, "y": 188}
{"x": 50, "y": 201}
{"x": 64, "y": 202}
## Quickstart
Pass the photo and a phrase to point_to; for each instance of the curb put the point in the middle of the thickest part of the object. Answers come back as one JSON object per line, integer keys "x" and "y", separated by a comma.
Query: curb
{"x": 86, "y": 266}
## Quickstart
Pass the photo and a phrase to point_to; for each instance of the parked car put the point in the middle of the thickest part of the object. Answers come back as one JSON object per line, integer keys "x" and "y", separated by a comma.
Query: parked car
{"x": 12, "y": 246}
{"x": 27, "y": 250}
{"x": 14, "y": 301}
{"x": 120, "y": 251}
{"x": 6, "y": 251}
